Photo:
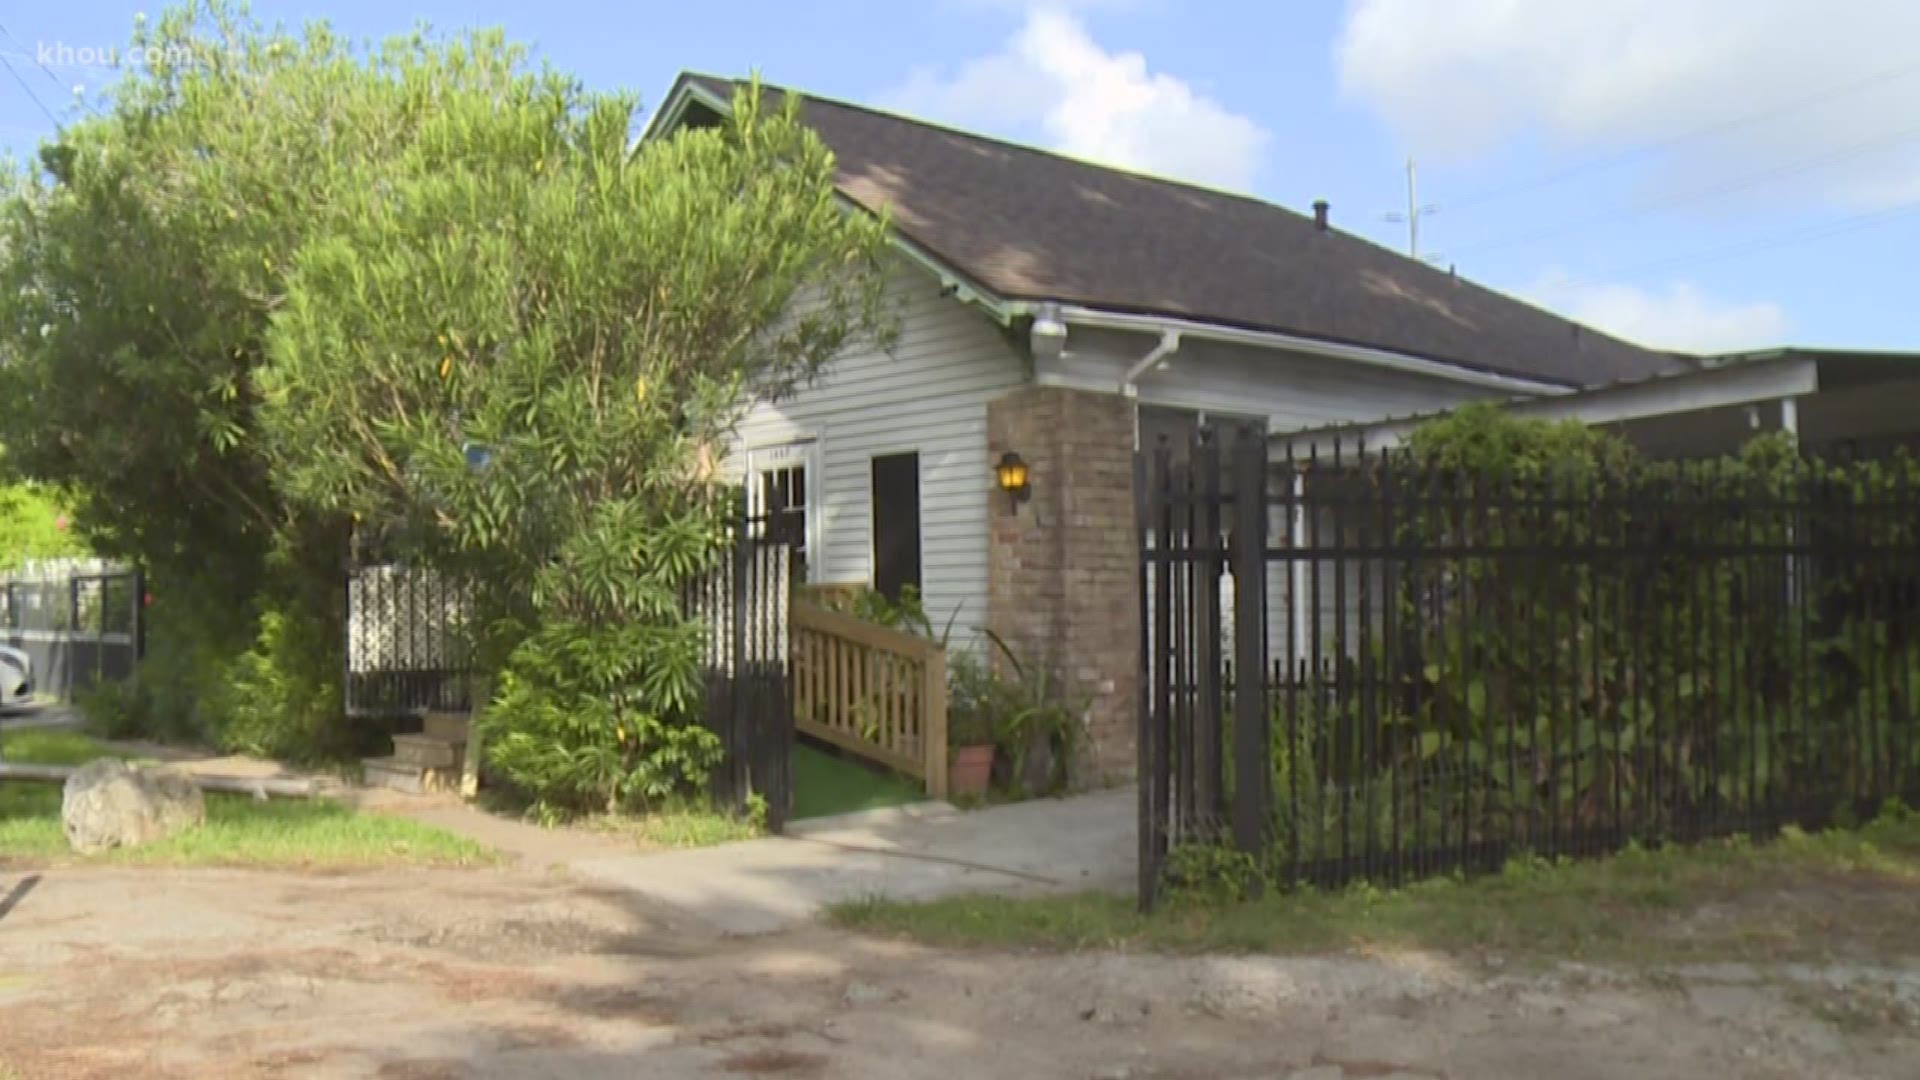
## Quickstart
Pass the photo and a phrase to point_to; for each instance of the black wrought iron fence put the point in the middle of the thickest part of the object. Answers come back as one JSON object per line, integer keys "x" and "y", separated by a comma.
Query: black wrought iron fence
{"x": 1362, "y": 667}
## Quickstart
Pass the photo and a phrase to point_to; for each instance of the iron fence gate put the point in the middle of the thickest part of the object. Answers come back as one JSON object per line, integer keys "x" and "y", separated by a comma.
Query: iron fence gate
{"x": 78, "y": 630}
{"x": 745, "y": 604}
{"x": 1361, "y": 666}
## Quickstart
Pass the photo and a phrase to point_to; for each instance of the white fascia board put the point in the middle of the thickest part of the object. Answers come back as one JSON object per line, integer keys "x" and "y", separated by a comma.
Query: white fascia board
{"x": 1749, "y": 383}
{"x": 1270, "y": 339}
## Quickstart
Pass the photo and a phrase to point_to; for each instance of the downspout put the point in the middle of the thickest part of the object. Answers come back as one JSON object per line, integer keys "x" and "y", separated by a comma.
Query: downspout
{"x": 1168, "y": 344}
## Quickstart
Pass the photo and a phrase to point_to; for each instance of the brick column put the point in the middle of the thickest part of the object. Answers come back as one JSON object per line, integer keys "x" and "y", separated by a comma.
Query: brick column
{"x": 1063, "y": 569}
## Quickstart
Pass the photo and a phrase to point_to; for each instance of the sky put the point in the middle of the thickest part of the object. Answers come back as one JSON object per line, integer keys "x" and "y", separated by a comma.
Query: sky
{"x": 1714, "y": 175}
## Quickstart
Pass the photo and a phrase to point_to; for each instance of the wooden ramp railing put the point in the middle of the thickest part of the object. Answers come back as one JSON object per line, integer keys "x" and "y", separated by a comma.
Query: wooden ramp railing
{"x": 872, "y": 691}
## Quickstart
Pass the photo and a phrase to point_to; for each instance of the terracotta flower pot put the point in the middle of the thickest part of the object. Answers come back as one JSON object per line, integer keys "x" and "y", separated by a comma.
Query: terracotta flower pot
{"x": 970, "y": 769}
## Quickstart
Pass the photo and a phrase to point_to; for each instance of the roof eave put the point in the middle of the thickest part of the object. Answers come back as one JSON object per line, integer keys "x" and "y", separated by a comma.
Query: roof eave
{"x": 684, "y": 92}
{"x": 687, "y": 90}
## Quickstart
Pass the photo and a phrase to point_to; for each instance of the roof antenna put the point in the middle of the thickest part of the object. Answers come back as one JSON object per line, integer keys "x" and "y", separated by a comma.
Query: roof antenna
{"x": 1414, "y": 212}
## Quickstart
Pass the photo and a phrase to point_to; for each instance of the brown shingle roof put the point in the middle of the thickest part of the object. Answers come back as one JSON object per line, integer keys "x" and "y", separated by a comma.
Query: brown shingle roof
{"x": 1028, "y": 224}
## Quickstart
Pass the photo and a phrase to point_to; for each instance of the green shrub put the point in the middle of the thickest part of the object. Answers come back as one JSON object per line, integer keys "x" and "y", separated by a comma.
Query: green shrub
{"x": 570, "y": 726}
{"x": 115, "y": 710}
{"x": 1032, "y": 715}
{"x": 281, "y": 698}
{"x": 1209, "y": 874}
{"x": 268, "y": 686}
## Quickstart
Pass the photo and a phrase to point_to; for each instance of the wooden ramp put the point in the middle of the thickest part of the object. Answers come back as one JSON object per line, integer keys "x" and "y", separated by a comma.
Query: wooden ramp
{"x": 877, "y": 693}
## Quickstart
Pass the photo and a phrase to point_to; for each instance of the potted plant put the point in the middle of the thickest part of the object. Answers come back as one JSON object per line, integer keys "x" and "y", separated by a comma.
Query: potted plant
{"x": 970, "y": 741}
{"x": 970, "y": 751}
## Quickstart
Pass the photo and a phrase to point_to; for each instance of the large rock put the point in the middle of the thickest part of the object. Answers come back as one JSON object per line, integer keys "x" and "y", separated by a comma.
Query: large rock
{"x": 109, "y": 803}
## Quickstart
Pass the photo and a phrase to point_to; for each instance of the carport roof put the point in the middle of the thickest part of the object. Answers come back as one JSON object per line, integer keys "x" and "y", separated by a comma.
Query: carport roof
{"x": 1729, "y": 379}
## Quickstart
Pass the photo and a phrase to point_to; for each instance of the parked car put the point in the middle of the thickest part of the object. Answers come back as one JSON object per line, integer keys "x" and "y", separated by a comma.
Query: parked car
{"x": 16, "y": 676}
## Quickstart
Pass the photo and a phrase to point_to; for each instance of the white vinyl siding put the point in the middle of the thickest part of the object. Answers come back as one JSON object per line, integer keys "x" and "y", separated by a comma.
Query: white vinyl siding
{"x": 928, "y": 396}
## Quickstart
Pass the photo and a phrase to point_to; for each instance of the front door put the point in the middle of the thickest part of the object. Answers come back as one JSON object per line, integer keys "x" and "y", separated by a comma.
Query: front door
{"x": 896, "y": 523}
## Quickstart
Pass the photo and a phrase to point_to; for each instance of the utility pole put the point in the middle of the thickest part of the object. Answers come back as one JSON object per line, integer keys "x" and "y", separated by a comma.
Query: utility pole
{"x": 1415, "y": 211}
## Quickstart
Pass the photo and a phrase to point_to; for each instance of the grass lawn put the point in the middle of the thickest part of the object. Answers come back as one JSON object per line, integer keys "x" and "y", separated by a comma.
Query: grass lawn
{"x": 824, "y": 784}
{"x": 238, "y": 832}
{"x": 1801, "y": 897}
{"x": 687, "y": 827}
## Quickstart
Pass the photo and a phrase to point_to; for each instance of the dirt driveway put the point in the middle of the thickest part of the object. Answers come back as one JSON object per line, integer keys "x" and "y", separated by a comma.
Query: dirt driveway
{"x": 523, "y": 973}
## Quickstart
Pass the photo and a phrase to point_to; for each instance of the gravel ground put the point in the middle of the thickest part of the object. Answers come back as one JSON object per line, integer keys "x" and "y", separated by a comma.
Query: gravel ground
{"x": 521, "y": 972}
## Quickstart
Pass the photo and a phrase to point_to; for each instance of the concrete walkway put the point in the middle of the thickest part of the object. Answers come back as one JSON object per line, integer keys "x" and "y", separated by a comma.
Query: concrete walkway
{"x": 911, "y": 853}
{"x": 916, "y": 852}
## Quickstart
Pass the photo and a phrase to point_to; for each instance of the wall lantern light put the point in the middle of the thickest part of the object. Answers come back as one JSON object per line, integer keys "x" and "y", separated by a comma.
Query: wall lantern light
{"x": 1012, "y": 472}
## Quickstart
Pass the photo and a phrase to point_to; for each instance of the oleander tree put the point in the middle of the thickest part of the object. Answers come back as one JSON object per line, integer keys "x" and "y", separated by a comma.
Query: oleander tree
{"x": 277, "y": 288}
{"x": 509, "y": 351}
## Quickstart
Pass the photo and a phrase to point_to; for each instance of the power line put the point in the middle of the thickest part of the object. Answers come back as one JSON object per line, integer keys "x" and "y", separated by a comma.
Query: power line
{"x": 1818, "y": 231}
{"x": 35, "y": 98}
{"x": 24, "y": 56}
{"x": 1610, "y": 161}
{"x": 1725, "y": 187}
{"x": 47, "y": 71}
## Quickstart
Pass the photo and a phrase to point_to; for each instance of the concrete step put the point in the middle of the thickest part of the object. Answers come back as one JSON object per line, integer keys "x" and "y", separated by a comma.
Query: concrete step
{"x": 393, "y": 775}
{"x": 426, "y": 752}
{"x": 445, "y": 725}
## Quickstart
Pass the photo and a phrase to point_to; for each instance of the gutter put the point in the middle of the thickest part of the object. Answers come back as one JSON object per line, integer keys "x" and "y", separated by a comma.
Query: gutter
{"x": 1168, "y": 344}
{"x": 1270, "y": 339}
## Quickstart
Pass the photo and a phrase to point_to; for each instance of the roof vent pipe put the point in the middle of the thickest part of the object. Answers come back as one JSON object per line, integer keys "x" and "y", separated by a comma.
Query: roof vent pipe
{"x": 1320, "y": 214}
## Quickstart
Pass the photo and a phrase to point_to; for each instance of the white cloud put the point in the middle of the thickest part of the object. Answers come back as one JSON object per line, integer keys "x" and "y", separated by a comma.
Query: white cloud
{"x": 1456, "y": 77}
{"x": 1104, "y": 106}
{"x": 1679, "y": 316}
